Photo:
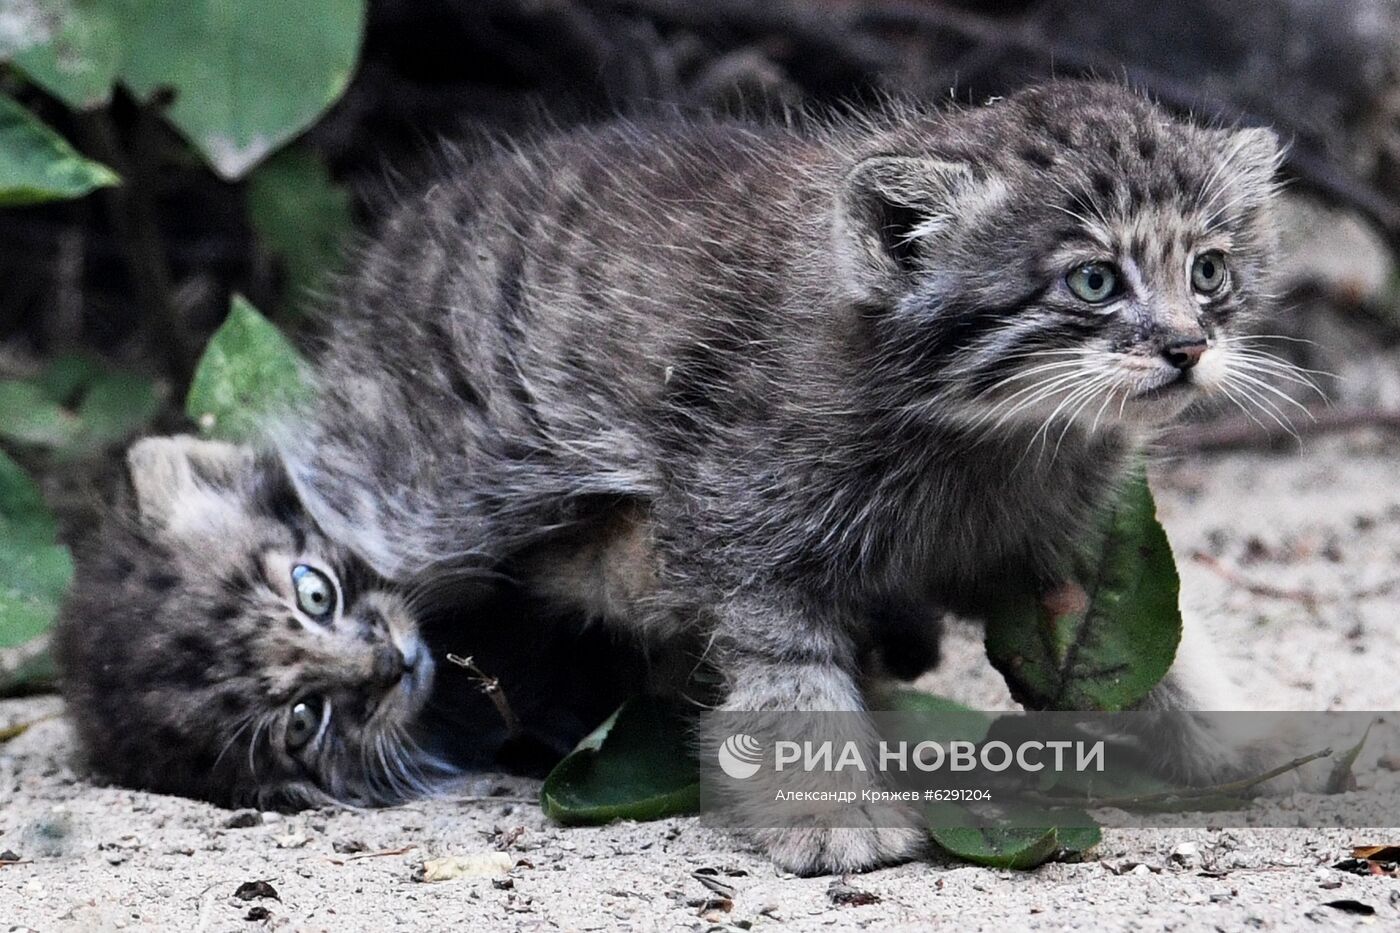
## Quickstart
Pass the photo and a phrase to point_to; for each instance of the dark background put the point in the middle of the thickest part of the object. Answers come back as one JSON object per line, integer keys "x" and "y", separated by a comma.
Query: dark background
{"x": 1324, "y": 73}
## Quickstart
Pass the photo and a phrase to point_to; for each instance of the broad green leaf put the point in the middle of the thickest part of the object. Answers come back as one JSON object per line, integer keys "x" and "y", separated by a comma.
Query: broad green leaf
{"x": 29, "y": 416}
{"x": 76, "y": 407}
{"x": 950, "y": 827}
{"x": 300, "y": 215}
{"x": 25, "y": 23}
{"x": 897, "y": 699}
{"x": 115, "y": 406}
{"x": 65, "y": 376}
{"x": 249, "y": 371}
{"x": 1077, "y": 841}
{"x": 248, "y": 75}
{"x": 1110, "y": 655}
{"x": 636, "y": 766}
{"x": 993, "y": 847}
{"x": 78, "y": 61}
{"x": 932, "y": 718}
{"x": 34, "y": 569}
{"x": 36, "y": 165}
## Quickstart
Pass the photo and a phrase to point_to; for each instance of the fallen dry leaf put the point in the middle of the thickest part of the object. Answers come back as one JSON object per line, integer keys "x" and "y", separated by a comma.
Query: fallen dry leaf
{"x": 1376, "y": 853}
{"x": 476, "y": 865}
{"x": 843, "y": 894}
{"x": 252, "y": 890}
{"x": 1349, "y": 906}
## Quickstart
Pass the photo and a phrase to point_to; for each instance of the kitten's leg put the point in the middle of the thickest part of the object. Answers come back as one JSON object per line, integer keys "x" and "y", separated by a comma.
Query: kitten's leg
{"x": 774, "y": 657}
{"x": 1208, "y": 749}
{"x": 1188, "y": 747}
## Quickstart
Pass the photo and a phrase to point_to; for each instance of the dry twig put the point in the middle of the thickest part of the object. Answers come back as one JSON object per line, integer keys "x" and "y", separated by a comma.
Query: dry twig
{"x": 1309, "y": 598}
{"x": 491, "y": 686}
{"x": 1182, "y": 794}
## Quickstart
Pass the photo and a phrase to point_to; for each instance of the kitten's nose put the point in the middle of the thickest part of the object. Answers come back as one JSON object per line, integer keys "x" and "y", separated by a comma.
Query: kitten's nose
{"x": 1183, "y": 354}
{"x": 388, "y": 665}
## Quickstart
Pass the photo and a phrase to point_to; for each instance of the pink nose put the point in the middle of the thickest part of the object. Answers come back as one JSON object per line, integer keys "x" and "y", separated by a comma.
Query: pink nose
{"x": 1185, "y": 353}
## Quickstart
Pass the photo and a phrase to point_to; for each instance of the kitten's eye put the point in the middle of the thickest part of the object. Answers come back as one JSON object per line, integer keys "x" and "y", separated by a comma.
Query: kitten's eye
{"x": 315, "y": 591}
{"x": 1208, "y": 272}
{"x": 303, "y": 723}
{"x": 1093, "y": 282}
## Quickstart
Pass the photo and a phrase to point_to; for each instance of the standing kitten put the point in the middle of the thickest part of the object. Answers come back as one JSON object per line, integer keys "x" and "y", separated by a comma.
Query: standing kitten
{"x": 814, "y": 373}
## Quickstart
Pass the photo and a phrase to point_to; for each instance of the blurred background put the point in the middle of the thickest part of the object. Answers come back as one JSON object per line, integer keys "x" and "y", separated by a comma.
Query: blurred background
{"x": 162, "y": 160}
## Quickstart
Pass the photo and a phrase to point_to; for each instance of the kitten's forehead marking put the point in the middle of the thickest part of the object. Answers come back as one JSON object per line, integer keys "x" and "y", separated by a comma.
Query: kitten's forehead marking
{"x": 1136, "y": 280}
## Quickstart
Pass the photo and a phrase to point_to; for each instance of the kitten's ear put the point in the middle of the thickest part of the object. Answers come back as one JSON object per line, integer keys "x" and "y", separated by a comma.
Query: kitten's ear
{"x": 1256, "y": 153}
{"x": 888, "y": 204}
{"x": 166, "y": 471}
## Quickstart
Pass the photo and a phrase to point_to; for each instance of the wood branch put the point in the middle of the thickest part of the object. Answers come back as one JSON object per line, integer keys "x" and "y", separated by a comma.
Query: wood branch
{"x": 1232, "y": 576}
{"x": 1309, "y": 598}
{"x": 1240, "y": 432}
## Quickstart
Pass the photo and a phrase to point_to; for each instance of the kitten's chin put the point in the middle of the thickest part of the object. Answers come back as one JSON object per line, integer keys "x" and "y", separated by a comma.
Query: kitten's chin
{"x": 1159, "y": 406}
{"x": 416, "y": 686}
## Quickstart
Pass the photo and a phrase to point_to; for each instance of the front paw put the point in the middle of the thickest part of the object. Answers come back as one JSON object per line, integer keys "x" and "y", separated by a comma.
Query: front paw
{"x": 853, "y": 845}
{"x": 1212, "y": 749}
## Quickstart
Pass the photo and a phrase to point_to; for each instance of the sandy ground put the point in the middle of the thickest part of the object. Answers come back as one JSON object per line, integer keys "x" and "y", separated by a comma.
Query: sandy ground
{"x": 95, "y": 858}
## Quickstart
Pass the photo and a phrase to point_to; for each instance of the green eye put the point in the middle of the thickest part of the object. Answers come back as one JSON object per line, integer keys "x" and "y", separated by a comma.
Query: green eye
{"x": 303, "y": 723}
{"x": 1208, "y": 272}
{"x": 1094, "y": 282}
{"x": 315, "y": 591}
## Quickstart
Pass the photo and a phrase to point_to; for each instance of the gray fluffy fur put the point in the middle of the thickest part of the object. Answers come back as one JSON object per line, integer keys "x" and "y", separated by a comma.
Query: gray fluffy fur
{"x": 789, "y": 376}
{"x": 802, "y": 358}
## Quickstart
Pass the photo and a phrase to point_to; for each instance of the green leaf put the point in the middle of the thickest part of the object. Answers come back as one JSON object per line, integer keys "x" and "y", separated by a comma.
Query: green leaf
{"x": 65, "y": 376}
{"x": 950, "y": 827}
{"x": 1341, "y": 779}
{"x": 950, "y": 722}
{"x": 36, "y": 165}
{"x": 1077, "y": 841}
{"x": 115, "y": 406}
{"x": 1109, "y": 655}
{"x": 76, "y": 407}
{"x": 636, "y": 766}
{"x": 35, "y": 570}
{"x": 249, "y": 371}
{"x": 77, "y": 61}
{"x": 300, "y": 215}
{"x": 994, "y": 847}
{"x": 248, "y": 75}
{"x": 25, "y": 23}
{"x": 29, "y": 416}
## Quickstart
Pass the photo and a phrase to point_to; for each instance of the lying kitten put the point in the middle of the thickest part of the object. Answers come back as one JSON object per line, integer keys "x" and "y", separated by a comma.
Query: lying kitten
{"x": 217, "y": 645}
{"x": 813, "y": 372}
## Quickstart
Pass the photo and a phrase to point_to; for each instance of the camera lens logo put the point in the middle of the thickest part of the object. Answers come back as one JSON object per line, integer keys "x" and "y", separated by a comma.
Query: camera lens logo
{"x": 740, "y": 756}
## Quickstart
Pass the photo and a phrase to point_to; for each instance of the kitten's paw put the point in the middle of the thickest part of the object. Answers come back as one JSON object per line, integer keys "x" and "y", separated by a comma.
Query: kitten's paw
{"x": 1215, "y": 749}
{"x": 825, "y": 849}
